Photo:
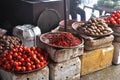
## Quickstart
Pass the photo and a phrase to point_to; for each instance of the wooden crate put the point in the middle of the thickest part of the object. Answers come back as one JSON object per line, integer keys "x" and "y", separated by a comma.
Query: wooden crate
{"x": 96, "y": 60}
{"x": 61, "y": 54}
{"x": 67, "y": 70}
{"x": 42, "y": 74}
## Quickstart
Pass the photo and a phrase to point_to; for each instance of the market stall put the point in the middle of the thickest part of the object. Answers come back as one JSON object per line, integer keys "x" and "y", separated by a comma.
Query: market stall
{"x": 71, "y": 50}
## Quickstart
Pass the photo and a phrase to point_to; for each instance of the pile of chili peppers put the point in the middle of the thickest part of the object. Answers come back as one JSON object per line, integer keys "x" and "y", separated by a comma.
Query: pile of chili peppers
{"x": 64, "y": 39}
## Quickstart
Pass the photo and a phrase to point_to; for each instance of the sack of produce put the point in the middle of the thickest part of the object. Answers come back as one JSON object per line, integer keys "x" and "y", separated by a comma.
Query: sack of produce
{"x": 27, "y": 34}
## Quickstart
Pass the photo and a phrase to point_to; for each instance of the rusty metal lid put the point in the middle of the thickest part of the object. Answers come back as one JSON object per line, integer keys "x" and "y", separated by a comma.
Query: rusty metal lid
{"x": 48, "y": 20}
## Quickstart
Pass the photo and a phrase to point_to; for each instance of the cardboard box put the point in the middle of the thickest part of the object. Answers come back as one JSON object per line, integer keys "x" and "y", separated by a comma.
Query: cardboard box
{"x": 67, "y": 70}
{"x": 42, "y": 74}
{"x": 96, "y": 60}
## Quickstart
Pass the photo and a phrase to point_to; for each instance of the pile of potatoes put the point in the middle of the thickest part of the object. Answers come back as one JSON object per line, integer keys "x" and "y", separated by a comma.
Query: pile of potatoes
{"x": 95, "y": 26}
{"x": 7, "y": 42}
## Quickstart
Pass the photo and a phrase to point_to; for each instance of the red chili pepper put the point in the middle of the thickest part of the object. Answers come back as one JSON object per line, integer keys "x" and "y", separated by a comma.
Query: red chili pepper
{"x": 64, "y": 39}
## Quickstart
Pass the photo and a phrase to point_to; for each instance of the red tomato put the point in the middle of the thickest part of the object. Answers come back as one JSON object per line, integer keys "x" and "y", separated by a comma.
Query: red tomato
{"x": 23, "y": 63}
{"x": 25, "y": 48}
{"x": 33, "y": 66}
{"x": 118, "y": 11}
{"x": 115, "y": 18}
{"x": 4, "y": 59}
{"x": 16, "y": 63}
{"x": 38, "y": 54}
{"x": 29, "y": 69}
{"x": 112, "y": 15}
{"x": 28, "y": 60}
{"x": 118, "y": 15}
{"x": 19, "y": 53}
{"x": 22, "y": 59}
{"x": 34, "y": 56}
{"x": 10, "y": 52}
{"x": 20, "y": 50}
{"x": 33, "y": 48}
{"x": 4, "y": 53}
{"x": 17, "y": 68}
{"x": 32, "y": 62}
{"x": 12, "y": 62}
{"x": 112, "y": 19}
{"x": 114, "y": 12}
{"x": 15, "y": 54}
{"x": 114, "y": 22}
{"x": 41, "y": 58}
{"x": 19, "y": 63}
{"x": 13, "y": 50}
{"x": 105, "y": 19}
{"x": 9, "y": 57}
{"x": 28, "y": 50}
{"x": 31, "y": 53}
{"x": 6, "y": 62}
{"x": 17, "y": 46}
{"x": 19, "y": 57}
{"x": 38, "y": 66}
{"x": 42, "y": 64}
{"x": 23, "y": 68}
{"x": 28, "y": 64}
{"x": 24, "y": 56}
{"x": 118, "y": 21}
{"x": 37, "y": 60}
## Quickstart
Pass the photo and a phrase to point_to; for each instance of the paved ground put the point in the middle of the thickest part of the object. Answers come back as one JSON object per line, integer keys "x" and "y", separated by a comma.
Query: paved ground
{"x": 110, "y": 73}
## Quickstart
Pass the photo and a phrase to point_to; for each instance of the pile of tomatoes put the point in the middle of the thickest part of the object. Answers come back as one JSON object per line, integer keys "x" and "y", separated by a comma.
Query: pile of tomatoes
{"x": 23, "y": 59}
{"x": 113, "y": 18}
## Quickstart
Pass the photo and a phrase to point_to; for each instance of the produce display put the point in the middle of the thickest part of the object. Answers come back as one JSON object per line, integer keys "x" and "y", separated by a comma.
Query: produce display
{"x": 113, "y": 18}
{"x": 94, "y": 27}
{"x": 7, "y": 42}
{"x": 61, "y": 39}
{"x": 21, "y": 59}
